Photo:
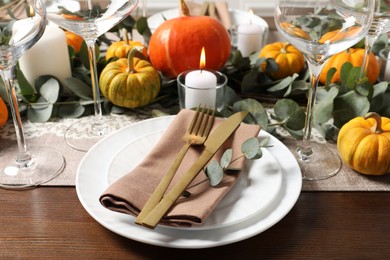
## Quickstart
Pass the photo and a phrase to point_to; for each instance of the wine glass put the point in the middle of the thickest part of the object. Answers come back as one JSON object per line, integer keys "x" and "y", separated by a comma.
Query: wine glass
{"x": 22, "y": 23}
{"x": 89, "y": 19}
{"x": 320, "y": 29}
{"x": 380, "y": 24}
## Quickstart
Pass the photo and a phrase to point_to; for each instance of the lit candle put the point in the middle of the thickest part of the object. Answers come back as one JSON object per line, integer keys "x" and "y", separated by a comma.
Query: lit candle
{"x": 49, "y": 56}
{"x": 249, "y": 38}
{"x": 201, "y": 86}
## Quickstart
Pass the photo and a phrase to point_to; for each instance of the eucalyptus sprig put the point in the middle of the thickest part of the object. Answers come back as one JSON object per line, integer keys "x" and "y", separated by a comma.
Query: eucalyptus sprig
{"x": 251, "y": 149}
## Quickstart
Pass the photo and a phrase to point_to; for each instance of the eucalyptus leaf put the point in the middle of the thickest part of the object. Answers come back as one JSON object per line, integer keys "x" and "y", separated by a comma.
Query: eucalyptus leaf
{"x": 78, "y": 87}
{"x": 290, "y": 114}
{"x": 251, "y": 148}
{"x": 264, "y": 141}
{"x": 230, "y": 96}
{"x": 226, "y": 158}
{"x": 248, "y": 83}
{"x": 271, "y": 65}
{"x": 297, "y": 134}
{"x": 380, "y": 43}
{"x": 365, "y": 88}
{"x": 117, "y": 110}
{"x": 329, "y": 76}
{"x": 71, "y": 110}
{"x": 143, "y": 28}
{"x": 377, "y": 101}
{"x": 50, "y": 90}
{"x": 25, "y": 87}
{"x": 353, "y": 77}
{"x": 283, "y": 84}
{"x": 299, "y": 86}
{"x": 258, "y": 115}
{"x": 344, "y": 72}
{"x": 40, "y": 113}
{"x": 348, "y": 106}
{"x": 214, "y": 172}
{"x": 323, "y": 110}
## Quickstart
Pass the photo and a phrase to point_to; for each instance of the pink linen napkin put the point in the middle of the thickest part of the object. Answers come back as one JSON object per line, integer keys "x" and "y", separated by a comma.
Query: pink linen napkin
{"x": 130, "y": 193}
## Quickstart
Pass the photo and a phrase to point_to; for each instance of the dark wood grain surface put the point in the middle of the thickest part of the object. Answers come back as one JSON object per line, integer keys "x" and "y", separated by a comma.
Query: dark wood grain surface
{"x": 50, "y": 222}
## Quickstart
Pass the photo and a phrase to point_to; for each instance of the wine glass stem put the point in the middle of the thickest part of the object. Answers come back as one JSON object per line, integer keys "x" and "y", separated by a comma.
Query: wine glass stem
{"x": 24, "y": 157}
{"x": 370, "y": 39}
{"x": 304, "y": 150}
{"x": 99, "y": 126}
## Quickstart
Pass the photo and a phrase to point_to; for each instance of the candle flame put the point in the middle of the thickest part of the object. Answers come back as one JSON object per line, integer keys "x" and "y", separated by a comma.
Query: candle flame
{"x": 251, "y": 15}
{"x": 202, "y": 63}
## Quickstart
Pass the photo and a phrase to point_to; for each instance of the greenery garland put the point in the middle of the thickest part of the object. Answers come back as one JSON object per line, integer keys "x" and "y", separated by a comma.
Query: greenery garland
{"x": 249, "y": 87}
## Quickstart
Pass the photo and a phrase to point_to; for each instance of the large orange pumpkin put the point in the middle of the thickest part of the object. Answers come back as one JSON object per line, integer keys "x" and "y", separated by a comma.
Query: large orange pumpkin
{"x": 176, "y": 44}
{"x": 289, "y": 59}
{"x": 355, "y": 57}
{"x": 3, "y": 113}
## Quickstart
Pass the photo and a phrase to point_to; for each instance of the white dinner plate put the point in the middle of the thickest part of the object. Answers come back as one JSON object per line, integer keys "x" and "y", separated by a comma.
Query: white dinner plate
{"x": 93, "y": 178}
{"x": 255, "y": 189}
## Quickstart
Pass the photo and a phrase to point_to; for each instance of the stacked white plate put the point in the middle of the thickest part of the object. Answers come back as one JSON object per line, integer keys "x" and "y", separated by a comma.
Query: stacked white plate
{"x": 267, "y": 190}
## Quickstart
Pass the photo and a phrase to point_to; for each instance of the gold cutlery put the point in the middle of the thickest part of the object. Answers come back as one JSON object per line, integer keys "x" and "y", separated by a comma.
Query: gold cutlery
{"x": 212, "y": 144}
{"x": 196, "y": 134}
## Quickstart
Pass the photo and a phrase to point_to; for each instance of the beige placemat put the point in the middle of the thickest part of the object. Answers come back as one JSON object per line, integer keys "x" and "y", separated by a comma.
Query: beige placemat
{"x": 51, "y": 134}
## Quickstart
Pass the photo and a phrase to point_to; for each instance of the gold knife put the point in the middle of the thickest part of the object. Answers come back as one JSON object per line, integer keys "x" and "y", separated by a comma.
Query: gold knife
{"x": 212, "y": 144}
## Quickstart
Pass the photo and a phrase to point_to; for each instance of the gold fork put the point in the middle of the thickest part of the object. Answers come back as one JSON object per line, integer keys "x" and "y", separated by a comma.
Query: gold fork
{"x": 196, "y": 134}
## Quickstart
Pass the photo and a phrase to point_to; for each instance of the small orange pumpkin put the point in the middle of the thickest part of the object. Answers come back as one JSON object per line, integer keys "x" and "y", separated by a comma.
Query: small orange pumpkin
{"x": 176, "y": 44}
{"x": 74, "y": 40}
{"x": 355, "y": 56}
{"x": 289, "y": 59}
{"x": 364, "y": 144}
{"x": 3, "y": 113}
{"x": 121, "y": 49}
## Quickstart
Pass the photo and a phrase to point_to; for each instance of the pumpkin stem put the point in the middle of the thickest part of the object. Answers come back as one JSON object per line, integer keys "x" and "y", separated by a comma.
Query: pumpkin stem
{"x": 284, "y": 49}
{"x": 377, "y": 128}
{"x": 130, "y": 58}
{"x": 184, "y": 8}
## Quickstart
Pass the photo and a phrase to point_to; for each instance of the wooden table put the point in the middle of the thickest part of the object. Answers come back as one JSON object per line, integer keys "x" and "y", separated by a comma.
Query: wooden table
{"x": 50, "y": 222}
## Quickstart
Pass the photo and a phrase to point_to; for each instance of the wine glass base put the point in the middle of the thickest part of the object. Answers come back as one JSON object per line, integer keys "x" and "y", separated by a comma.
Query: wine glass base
{"x": 322, "y": 164}
{"x": 85, "y": 133}
{"x": 46, "y": 164}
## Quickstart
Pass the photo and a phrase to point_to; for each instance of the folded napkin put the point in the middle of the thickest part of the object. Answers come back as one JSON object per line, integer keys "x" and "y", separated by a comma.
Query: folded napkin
{"x": 130, "y": 193}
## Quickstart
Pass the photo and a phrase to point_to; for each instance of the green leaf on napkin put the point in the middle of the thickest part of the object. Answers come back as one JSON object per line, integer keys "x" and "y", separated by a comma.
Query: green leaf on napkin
{"x": 251, "y": 149}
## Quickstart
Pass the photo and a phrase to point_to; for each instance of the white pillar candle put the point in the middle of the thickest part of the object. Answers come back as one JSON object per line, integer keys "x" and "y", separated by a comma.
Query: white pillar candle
{"x": 201, "y": 88}
{"x": 49, "y": 56}
{"x": 249, "y": 38}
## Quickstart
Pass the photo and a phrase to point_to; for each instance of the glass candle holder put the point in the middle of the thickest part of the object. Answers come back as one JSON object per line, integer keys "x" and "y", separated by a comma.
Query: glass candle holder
{"x": 384, "y": 64}
{"x": 201, "y": 87}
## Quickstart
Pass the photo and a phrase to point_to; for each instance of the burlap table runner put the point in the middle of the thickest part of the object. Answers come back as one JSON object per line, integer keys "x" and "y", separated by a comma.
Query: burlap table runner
{"x": 51, "y": 134}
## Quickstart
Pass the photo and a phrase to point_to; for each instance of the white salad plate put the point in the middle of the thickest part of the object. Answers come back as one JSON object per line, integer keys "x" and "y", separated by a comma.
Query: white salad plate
{"x": 266, "y": 191}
